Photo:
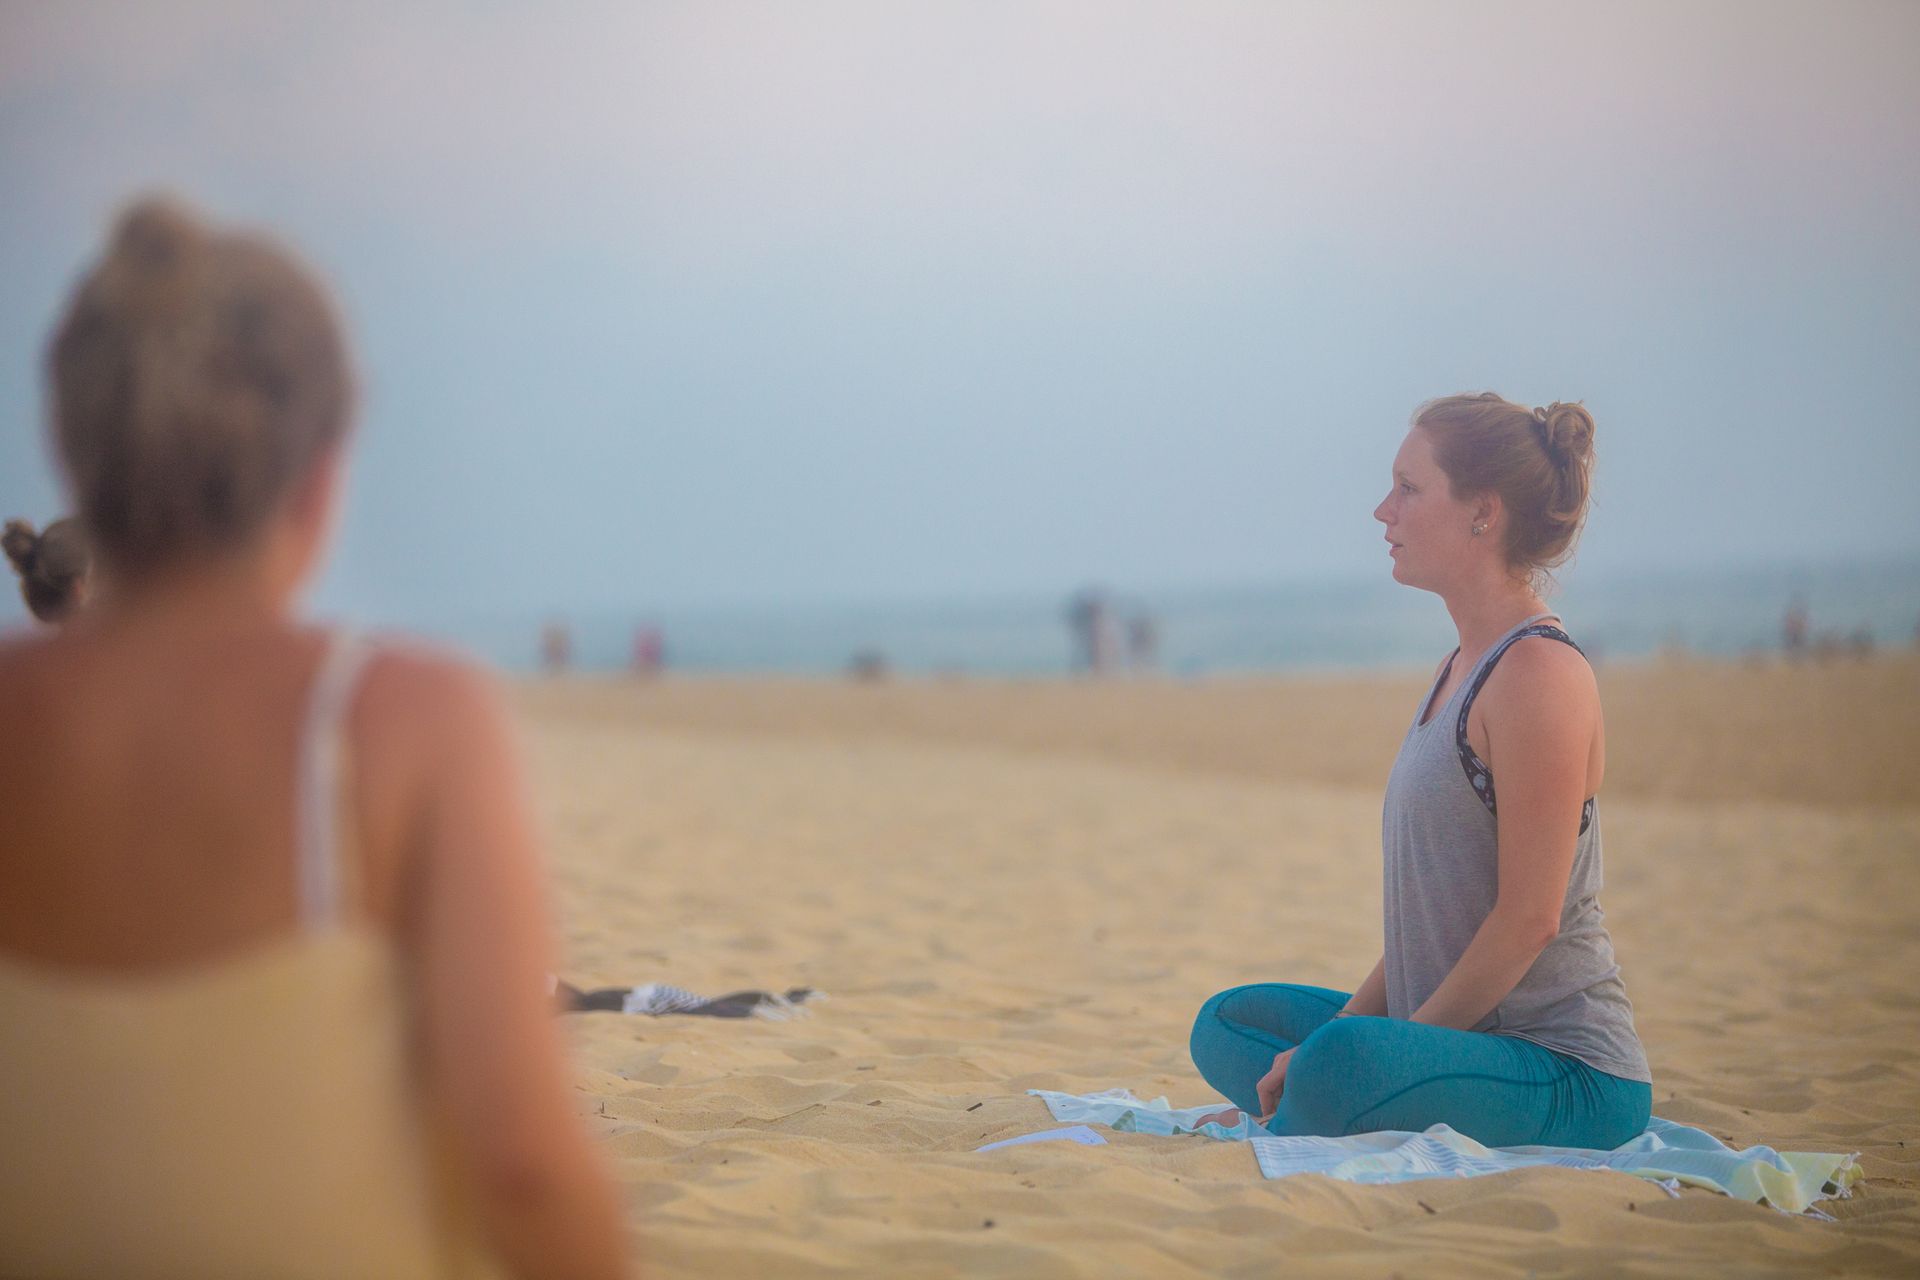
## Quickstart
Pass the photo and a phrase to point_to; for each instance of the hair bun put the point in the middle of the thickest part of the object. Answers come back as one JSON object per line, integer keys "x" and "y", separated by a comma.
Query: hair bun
{"x": 21, "y": 544}
{"x": 1566, "y": 431}
{"x": 156, "y": 233}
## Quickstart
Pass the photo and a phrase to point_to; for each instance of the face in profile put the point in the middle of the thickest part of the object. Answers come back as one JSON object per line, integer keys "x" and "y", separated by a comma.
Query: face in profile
{"x": 1428, "y": 529}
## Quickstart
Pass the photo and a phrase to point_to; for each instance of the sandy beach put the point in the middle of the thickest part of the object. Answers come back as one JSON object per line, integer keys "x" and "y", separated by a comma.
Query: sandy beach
{"x": 1009, "y": 885}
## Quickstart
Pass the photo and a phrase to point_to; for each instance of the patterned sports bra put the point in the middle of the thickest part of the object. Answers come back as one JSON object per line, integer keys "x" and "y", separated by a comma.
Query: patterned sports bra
{"x": 1479, "y": 773}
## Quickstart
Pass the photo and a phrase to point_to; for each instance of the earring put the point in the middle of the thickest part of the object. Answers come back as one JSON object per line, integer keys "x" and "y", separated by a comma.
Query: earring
{"x": 1479, "y": 529}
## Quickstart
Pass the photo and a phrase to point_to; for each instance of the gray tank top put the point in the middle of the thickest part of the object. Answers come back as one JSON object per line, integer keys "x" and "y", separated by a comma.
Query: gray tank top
{"x": 1439, "y": 835}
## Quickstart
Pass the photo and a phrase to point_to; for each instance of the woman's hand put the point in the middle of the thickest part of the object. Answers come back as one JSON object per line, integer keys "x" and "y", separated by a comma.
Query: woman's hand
{"x": 1272, "y": 1083}
{"x": 1269, "y": 1090}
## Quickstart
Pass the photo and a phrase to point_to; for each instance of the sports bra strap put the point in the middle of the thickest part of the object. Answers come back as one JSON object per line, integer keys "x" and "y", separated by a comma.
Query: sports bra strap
{"x": 1531, "y": 627}
{"x": 1477, "y": 771}
{"x": 317, "y": 791}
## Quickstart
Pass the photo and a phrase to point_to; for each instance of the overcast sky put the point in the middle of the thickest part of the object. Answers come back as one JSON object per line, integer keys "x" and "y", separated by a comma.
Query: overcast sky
{"x": 663, "y": 305}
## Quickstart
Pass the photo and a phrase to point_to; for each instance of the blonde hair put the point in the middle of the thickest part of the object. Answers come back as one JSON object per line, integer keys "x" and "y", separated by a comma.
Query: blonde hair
{"x": 1539, "y": 461}
{"x": 196, "y": 377}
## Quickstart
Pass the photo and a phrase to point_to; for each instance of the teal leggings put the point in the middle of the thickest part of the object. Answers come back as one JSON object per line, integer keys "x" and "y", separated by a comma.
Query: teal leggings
{"x": 1360, "y": 1075}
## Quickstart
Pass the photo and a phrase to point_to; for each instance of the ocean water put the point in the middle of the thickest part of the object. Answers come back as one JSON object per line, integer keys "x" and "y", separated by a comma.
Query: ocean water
{"x": 1275, "y": 627}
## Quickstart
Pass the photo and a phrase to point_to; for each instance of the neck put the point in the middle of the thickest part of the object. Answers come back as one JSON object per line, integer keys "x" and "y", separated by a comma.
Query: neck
{"x": 236, "y": 593}
{"x": 1487, "y": 611}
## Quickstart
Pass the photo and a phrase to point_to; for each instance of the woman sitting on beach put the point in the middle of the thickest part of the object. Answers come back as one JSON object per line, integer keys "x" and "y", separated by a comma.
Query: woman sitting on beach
{"x": 272, "y": 923}
{"x": 1497, "y": 1007}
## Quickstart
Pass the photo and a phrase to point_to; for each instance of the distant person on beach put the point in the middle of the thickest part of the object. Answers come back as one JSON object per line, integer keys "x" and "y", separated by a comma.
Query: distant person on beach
{"x": 556, "y": 648}
{"x": 1793, "y": 628}
{"x": 1090, "y": 619}
{"x": 1496, "y": 1006}
{"x": 649, "y": 652}
{"x": 272, "y": 922}
{"x": 52, "y": 564}
{"x": 1143, "y": 642}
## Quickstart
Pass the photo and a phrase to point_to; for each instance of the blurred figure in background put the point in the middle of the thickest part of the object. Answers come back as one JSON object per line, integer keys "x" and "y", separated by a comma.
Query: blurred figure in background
{"x": 273, "y": 939}
{"x": 1143, "y": 642}
{"x": 52, "y": 565}
{"x": 1090, "y": 618}
{"x": 1793, "y": 628}
{"x": 649, "y": 651}
{"x": 556, "y": 648}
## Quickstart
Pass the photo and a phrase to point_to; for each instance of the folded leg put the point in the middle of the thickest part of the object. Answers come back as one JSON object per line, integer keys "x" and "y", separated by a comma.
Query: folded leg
{"x": 1238, "y": 1033}
{"x": 1362, "y": 1075}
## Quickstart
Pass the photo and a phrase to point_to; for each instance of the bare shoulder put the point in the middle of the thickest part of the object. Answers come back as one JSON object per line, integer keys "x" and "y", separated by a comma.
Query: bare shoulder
{"x": 1540, "y": 672}
{"x": 427, "y": 703}
{"x": 16, "y": 695}
{"x": 20, "y": 650}
{"x": 411, "y": 676}
{"x": 431, "y": 734}
{"x": 23, "y": 660}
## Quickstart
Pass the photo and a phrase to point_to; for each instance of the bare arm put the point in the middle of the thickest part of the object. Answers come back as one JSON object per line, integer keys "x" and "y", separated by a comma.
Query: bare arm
{"x": 1541, "y": 711}
{"x": 1370, "y": 997}
{"x": 496, "y": 1069}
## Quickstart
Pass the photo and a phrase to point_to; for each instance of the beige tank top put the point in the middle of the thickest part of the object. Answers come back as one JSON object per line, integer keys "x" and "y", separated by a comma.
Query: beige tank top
{"x": 254, "y": 1116}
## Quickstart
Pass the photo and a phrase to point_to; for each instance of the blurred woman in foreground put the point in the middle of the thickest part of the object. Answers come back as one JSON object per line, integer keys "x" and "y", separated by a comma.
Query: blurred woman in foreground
{"x": 272, "y": 926}
{"x": 53, "y": 568}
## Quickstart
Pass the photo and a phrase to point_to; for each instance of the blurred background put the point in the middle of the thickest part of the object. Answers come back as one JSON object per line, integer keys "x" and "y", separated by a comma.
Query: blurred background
{"x": 768, "y": 337}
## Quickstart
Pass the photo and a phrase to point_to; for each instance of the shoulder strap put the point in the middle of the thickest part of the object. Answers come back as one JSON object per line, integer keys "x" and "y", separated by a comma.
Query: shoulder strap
{"x": 317, "y": 788}
{"x": 1427, "y": 710}
{"x": 1492, "y": 660}
{"x": 1478, "y": 774}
